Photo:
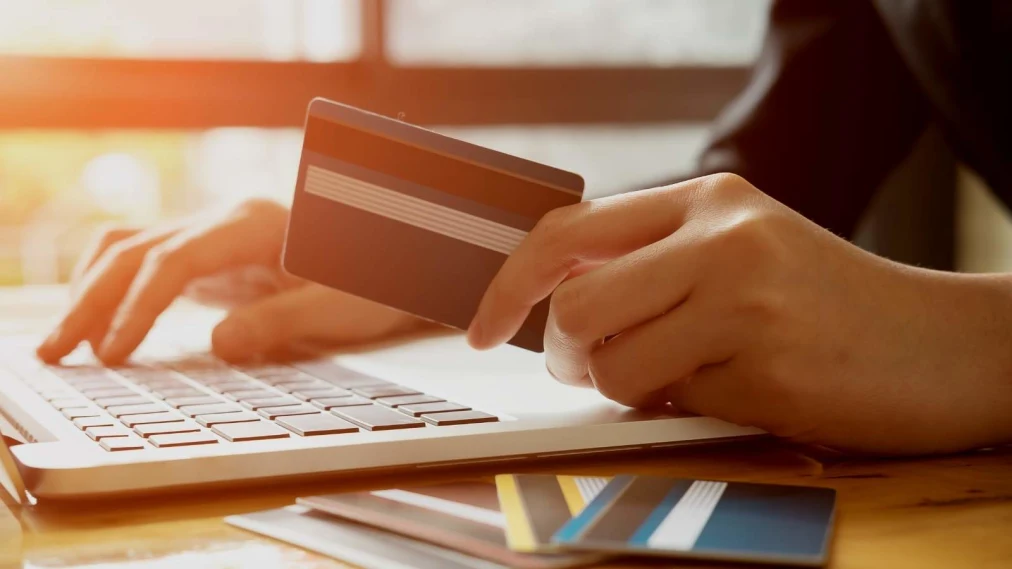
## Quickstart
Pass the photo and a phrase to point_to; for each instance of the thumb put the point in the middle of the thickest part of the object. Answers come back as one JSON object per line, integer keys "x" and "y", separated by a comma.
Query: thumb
{"x": 263, "y": 326}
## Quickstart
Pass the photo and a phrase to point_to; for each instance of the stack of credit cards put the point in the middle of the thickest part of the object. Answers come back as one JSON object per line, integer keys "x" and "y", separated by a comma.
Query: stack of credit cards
{"x": 533, "y": 521}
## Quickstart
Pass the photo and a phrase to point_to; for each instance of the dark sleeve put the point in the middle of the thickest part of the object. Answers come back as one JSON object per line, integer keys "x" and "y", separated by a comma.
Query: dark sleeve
{"x": 830, "y": 110}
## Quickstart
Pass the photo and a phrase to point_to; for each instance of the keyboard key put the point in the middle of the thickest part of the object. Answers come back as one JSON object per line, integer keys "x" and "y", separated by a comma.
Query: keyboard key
{"x": 376, "y": 418}
{"x": 300, "y": 409}
{"x": 407, "y": 400}
{"x": 222, "y": 418}
{"x": 289, "y": 387}
{"x": 114, "y": 401}
{"x": 337, "y": 374}
{"x": 99, "y": 393}
{"x": 149, "y": 418}
{"x": 178, "y": 402}
{"x": 231, "y": 386}
{"x": 175, "y": 392}
{"x": 182, "y": 439}
{"x": 329, "y": 403}
{"x": 310, "y": 394}
{"x": 119, "y": 411}
{"x": 94, "y": 384}
{"x": 284, "y": 401}
{"x": 213, "y": 409}
{"x": 319, "y": 424}
{"x": 61, "y": 404}
{"x": 242, "y": 394}
{"x": 166, "y": 428}
{"x": 258, "y": 431}
{"x": 390, "y": 390}
{"x": 267, "y": 371}
{"x": 81, "y": 412}
{"x": 116, "y": 444}
{"x": 85, "y": 422}
{"x": 459, "y": 418}
{"x": 427, "y": 408}
{"x": 57, "y": 393}
{"x": 99, "y": 433}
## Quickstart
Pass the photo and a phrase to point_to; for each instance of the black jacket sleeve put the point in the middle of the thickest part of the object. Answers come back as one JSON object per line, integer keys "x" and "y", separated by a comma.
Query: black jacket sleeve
{"x": 830, "y": 110}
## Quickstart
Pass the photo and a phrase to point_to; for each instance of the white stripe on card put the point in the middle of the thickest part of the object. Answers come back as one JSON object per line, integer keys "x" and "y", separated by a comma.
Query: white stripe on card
{"x": 413, "y": 211}
{"x": 456, "y": 509}
{"x": 683, "y": 524}
{"x": 590, "y": 486}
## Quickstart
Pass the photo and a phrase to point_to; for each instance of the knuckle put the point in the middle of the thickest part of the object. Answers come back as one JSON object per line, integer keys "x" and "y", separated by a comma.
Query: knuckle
{"x": 751, "y": 239}
{"x": 609, "y": 381}
{"x": 728, "y": 185}
{"x": 567, "y": 308}
{"x": 111, "y": 235}
{"x": 122, "y": 253}
{"x": 163, "y": 258}
{"x": 554, "y": 224}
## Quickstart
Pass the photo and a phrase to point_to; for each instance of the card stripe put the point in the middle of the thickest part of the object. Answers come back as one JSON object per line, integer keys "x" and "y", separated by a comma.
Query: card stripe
{"x": 413, "y": 211}
{"x": 573, "y": 530}
{"x": 644, "y": 532}
{"x": 630, "y": 510}
{"x": 683, "y": 524}
{"x": 519, "y": 534}
{"x": 544, "y": 504}
{"x": 590, "y": 486}
{"x": 571, "y": 492}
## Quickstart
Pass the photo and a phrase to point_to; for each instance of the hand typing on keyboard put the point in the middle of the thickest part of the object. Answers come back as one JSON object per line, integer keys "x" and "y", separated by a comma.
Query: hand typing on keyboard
{"x": 130, "y": 277}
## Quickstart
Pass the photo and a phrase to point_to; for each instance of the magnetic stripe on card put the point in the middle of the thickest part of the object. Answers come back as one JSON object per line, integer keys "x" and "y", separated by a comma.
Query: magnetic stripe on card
{"x": 413, "y": 211}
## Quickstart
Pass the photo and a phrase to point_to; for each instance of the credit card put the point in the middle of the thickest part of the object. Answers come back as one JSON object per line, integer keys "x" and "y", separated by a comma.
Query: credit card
{"x": 464, "y": 516}
{"x": 537, "y": 505}
{"x": 412, "y": 219}
{"x": 706, "y": 519}
{"x": 364, "y": 546}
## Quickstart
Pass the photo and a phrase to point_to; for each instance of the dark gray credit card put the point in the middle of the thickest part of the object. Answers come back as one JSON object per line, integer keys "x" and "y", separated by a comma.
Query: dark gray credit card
{"x": 412, "y": 219}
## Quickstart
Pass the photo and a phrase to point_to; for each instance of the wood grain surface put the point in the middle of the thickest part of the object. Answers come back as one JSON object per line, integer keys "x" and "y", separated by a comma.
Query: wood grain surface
{"x": 950, "y": 511}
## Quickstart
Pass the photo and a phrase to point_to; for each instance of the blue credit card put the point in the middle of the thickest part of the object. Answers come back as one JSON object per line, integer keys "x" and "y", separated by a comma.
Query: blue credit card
{"x": 705, "y": 519}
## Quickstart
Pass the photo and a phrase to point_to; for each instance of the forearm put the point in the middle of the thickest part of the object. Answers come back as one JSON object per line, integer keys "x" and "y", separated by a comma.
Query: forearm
{"x": 966, "y": 333}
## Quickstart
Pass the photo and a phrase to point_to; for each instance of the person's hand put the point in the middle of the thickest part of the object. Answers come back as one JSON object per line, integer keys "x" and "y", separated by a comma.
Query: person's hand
{"x": 716, "y": 298}
{"x": 130, "y": 277}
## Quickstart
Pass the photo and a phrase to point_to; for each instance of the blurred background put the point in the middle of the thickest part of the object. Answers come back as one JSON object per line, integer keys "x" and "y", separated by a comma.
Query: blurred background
{"x": 133, "y": 111}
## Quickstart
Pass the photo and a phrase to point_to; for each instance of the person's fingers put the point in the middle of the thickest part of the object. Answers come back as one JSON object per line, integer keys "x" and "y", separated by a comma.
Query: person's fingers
{"x": 716, "y": 390}
{"x": 568, "y": 237}
{"x": 635, "y": 367}
{"x": 100, "y": 291}
{"x": 169, "y": 267}
{"x": 96, "y": 249}
{"x": 312, "y": 313}
{"x": 617, "y": 296}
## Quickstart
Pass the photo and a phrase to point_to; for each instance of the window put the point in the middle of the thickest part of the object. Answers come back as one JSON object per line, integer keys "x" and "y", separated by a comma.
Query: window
{"x": 131, "y": 111}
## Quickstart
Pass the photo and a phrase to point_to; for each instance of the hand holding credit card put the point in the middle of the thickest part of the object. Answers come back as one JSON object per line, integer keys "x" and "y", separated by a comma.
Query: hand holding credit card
{"x": 412, "y": 219}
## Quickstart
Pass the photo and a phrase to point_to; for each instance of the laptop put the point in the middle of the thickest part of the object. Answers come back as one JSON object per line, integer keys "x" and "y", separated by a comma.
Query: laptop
{"x": 178, "y": 418}
{"x": 365, "y": 198}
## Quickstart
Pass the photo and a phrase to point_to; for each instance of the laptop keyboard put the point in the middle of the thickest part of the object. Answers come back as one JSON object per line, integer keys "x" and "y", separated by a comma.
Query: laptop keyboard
{"x": 201, "y": 402}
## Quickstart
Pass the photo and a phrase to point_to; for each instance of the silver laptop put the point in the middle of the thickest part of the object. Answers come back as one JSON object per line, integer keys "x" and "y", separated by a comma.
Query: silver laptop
{"x": 178, "y": 418}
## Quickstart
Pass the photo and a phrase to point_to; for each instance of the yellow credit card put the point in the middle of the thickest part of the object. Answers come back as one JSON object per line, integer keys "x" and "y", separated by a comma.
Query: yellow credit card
{"x": 537, "y": 505}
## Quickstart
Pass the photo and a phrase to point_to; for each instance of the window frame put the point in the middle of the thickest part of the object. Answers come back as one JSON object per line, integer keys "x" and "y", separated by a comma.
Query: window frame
{"x": 102, "y": 93}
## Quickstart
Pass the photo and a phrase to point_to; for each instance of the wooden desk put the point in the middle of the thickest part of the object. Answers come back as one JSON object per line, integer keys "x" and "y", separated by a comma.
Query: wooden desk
{"x": 953, "y": 511}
